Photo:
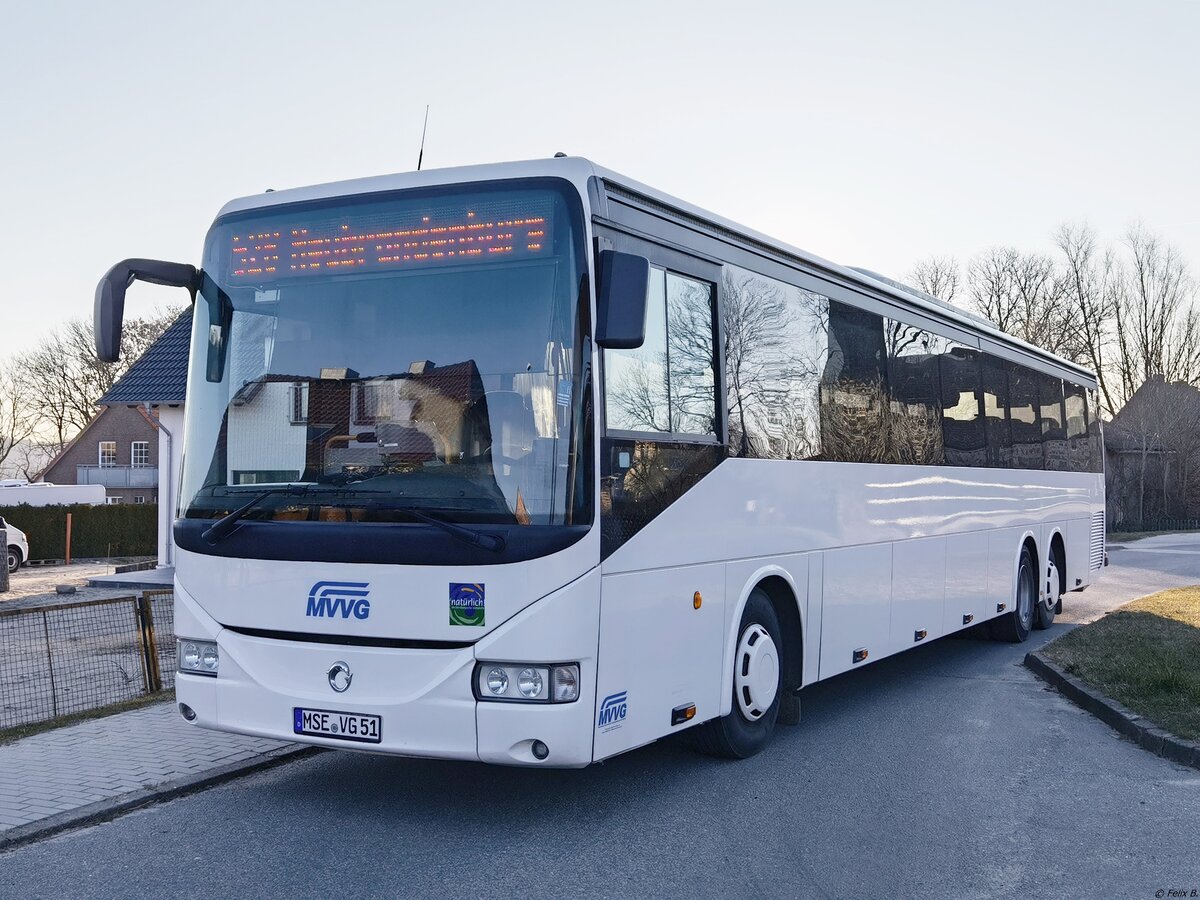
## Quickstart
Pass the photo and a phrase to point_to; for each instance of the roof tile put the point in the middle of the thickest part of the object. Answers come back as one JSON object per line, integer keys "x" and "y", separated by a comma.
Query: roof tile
{"x": 160, "y": 374}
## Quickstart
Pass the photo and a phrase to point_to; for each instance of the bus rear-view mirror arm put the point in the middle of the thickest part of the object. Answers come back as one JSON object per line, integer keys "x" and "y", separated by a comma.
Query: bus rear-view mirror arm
{"x": 110, "y": 297}
{"x": 622, "y": 280}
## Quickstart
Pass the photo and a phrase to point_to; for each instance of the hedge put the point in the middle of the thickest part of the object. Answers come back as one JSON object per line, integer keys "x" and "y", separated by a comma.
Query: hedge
{"x": 96, "y": 531}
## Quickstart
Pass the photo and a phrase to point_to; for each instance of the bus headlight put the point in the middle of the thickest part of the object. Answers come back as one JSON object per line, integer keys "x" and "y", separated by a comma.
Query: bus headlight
{"x": 527, "y": 682}
{"x": 198, "y": 657}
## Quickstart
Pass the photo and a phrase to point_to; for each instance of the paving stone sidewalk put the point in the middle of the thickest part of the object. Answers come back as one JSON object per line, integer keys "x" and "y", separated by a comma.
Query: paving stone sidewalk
{"x": 82, "y": 772}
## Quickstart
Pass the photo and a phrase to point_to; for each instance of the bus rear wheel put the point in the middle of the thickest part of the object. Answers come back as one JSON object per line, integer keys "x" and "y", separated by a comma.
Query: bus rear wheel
{"x": 757, "y": 686}
{"x": 1050, "y": 601}
{"x": 1016, "y": 625}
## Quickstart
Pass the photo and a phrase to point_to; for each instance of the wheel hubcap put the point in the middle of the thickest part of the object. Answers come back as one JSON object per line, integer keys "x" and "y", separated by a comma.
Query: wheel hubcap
{"x": 1025, "y": 598}
{"x": 756, "y": 676}
{"x": 1053, "y": 586}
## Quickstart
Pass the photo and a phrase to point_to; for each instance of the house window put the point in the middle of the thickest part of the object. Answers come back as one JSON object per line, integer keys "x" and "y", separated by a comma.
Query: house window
{"x": 108, "y": 453}
{"x": 300, "y": 403}
{"x": 139, "y": 498}
{"x": 141, "y": 454}
{"x": 112, "y": 501}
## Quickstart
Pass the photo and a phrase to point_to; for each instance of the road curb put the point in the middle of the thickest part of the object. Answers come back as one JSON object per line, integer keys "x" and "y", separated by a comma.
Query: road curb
{"x": 103, "y": 810}
{"x": 1113, "y": 714}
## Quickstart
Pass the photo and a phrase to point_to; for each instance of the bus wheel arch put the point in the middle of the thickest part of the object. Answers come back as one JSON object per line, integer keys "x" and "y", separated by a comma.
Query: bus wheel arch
{"x": 754, "y": 688}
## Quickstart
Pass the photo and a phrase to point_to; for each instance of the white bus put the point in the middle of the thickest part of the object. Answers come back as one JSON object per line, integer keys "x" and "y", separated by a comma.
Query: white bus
{"x": 532, "y": 464}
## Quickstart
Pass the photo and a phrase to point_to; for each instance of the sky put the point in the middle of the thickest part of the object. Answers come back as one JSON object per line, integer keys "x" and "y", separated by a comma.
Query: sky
{"x": 870, "y": 133}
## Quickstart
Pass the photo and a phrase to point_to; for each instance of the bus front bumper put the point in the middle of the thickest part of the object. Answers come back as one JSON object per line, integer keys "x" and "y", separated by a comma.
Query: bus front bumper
{"x": 424, "y": 698}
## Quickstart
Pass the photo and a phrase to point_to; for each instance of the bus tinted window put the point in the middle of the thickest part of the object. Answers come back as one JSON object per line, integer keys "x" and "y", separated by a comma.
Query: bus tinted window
{"x": 666, "y": 385}
{"x": 1076, "y": 411}
{"x": 1054, "y": 430}
{"x": 776, "y": 347}
{"x": 691, "y": 379}
{"x": 1023, "y": 418}
{"x": 995, "y": 411}
{"x": 962, "y": 421}
{"x": 914, "y": 426}
{"x": 854, "y": 388}
{"x": 636, "y": 380}
{"x": 1095, "y": 433}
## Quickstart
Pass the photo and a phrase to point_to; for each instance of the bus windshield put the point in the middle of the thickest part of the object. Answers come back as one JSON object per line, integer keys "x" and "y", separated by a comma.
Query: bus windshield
{"x": 388, "y": 359}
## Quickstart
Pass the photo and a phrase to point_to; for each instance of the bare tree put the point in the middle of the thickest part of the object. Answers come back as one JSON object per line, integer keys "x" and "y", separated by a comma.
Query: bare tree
{"x": 17, "y": 420}
{"x": 1025, "y": 295}
{"x": 29, "y": 459}
{"x": 1092, "y": 282}
{"x": 937, "y": 275}
{"x": 63, "y": 380}
{"x": 1158, "y": 329}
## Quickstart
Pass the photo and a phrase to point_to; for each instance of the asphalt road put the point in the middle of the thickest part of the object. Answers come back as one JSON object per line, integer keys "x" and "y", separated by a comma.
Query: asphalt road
{"x": 947, "y": 771}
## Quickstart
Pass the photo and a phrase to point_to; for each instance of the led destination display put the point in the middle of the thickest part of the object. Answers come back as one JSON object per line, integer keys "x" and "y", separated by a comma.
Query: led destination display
{"x": 388, "y": 236}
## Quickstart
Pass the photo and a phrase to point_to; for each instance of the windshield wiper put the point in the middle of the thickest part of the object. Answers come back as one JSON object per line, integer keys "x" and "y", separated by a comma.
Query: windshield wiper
{"x": 221, "y": 528}
{"x": 493, "y": 542}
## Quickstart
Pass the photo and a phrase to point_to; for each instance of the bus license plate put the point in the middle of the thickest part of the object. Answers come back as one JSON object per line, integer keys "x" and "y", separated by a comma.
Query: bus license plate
{"x": 343, "y": 726}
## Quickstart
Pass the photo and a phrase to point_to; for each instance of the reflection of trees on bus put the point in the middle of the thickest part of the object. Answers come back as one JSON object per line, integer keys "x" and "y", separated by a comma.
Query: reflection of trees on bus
{"x": 807, "y": 377}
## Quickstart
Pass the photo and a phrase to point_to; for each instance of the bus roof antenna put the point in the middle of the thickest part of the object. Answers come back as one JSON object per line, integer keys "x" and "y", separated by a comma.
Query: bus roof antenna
{"x": 421, "y": 154}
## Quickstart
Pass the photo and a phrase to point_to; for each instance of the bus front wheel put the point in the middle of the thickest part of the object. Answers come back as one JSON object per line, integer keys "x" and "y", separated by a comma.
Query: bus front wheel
{"x": 757, "y": 685}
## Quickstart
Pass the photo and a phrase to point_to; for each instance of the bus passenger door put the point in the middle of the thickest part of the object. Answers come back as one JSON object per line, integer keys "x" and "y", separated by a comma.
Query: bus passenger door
{"x": 662, "y": 594}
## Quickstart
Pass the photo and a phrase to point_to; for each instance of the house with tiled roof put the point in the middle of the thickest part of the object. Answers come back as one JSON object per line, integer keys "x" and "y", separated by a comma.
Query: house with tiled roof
{"x": 131, "y": 446}
{"x": 1152, "y": 456}
{"x": 124, "y": 447}
{"x": 155, "y": 389}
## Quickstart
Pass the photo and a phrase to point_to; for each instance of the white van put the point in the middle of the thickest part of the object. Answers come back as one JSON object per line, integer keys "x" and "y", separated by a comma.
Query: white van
{"x": 18, "y": 546}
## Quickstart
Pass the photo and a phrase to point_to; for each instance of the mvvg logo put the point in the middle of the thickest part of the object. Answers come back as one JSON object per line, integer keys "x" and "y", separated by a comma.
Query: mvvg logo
{"x": 612, "y": 712}
{"x": 330, "y": 599}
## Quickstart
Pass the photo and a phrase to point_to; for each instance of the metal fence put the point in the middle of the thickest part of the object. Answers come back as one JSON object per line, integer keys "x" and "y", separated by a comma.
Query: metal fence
{"x": 1163, "y": 524}
{"x": 67, "y": 658}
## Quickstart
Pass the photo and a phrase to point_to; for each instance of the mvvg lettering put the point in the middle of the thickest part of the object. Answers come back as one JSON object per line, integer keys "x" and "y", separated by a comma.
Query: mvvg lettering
{"x": 334, "y": 599}
{"x": 612, "y": 710}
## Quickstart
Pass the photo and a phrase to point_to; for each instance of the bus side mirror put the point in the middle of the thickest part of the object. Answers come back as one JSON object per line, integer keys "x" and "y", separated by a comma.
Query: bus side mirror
{"x": 110, "y": 297}
{"x": 621, "y": 285}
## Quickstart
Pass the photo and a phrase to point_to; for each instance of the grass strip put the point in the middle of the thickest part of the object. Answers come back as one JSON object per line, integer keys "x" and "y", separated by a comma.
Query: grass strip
{"x": 1145, "y": 655}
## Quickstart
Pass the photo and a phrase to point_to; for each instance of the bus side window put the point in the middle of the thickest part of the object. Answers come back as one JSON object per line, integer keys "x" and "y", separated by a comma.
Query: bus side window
{"x": 1054, "y": 430}
{"x": 667, "y": 384}
{"x": 691, "y": 376}
{"x": 963, "y": 429}
{"x": 635, "y": 381}
{"x": 1077, "y": 435}
{"x": 1095, "y": 433}
{"x": 854, "y": 388}
{"x": 995, "y": 410}
{"x": 1023, "y": 416}
{"x": 776, "y": 344}
{"x": 914, "y": 427}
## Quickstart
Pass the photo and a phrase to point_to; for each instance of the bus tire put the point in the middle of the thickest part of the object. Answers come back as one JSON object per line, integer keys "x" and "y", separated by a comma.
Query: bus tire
{"x": 1016, "y": 625}
{"x": 1046, "y": 607}
{"x": 757, "y": 662}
